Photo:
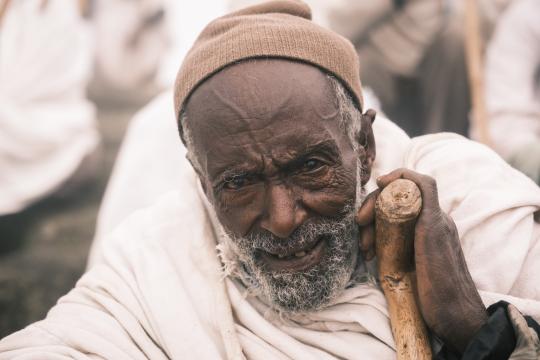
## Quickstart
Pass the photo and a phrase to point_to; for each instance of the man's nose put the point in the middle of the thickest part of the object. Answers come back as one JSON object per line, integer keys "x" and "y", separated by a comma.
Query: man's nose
{"x": 284, "y": 211}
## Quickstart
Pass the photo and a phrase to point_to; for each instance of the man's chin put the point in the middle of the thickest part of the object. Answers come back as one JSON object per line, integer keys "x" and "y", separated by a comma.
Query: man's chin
{"x": 308, "y": 290}
{"x": 303, "y": 292}
{"x": 306, "y": 274}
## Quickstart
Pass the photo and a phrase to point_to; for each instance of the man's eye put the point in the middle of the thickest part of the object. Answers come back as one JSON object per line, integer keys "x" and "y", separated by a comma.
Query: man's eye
{"x": 235, "y": 182}
{"x": 312, "y": 165}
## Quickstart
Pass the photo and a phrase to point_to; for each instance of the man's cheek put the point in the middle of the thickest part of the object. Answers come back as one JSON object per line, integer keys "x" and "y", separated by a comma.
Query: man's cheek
{"x": 333, "y": 199}
{"x": 239, "y": 198}
{"x": 328, "y": 204}
{"x": 239, "y": 218}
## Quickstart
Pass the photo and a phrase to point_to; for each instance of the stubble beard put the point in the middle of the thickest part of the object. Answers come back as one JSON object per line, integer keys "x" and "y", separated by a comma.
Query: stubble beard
{"x": 301, "y": 291}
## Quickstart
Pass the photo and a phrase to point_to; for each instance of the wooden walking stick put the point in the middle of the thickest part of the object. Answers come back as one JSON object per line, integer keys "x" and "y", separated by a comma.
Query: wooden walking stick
{"x": 3, "y": 8}
{"x": 475, "y": 69}
{"x": 396, "y": 210}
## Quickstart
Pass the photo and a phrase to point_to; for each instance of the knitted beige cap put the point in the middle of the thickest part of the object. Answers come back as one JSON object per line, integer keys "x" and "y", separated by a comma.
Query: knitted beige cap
{"x": 274, "y": 29}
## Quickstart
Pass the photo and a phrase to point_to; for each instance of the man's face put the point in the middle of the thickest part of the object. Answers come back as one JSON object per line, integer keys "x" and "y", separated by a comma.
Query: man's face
{"x": 281, "y": 175}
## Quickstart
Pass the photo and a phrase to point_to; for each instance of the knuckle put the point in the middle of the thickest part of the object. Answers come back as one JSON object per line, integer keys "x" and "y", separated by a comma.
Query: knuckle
{"x": 429, "y": 186}
{"x": 402, "y": 171}
{"x": 431, "y": 181}
{"x": 427, "y": 180}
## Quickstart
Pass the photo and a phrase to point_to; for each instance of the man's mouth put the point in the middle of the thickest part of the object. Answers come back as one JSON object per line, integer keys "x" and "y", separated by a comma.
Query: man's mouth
{"x": 299, "y": 260}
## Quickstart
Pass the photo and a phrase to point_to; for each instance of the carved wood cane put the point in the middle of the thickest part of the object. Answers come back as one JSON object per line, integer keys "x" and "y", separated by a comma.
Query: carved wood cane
{"x": 396, "y": 210}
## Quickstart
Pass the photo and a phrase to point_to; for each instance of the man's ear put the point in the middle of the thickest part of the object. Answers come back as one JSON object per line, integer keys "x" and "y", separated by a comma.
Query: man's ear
{"x": 366, "y": 142}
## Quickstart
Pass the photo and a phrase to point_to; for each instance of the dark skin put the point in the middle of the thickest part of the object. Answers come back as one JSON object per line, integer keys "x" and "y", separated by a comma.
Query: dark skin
{"x": 448, "y": 299}
{"x": 272, "y": 155}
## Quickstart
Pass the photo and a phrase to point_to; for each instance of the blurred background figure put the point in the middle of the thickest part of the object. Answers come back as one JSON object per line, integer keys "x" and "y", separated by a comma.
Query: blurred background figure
{"x": 48, "y": 130}
{"x": 513, "y": 87}
{"x": 184, "y": 21}
{"x": 140, "y": 43}
{"x": 412, "y": 56}
{"x": 131, "y": 40}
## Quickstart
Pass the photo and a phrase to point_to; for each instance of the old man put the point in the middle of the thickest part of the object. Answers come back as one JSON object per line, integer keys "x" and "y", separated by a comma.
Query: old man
{"x": 266, "y": 251}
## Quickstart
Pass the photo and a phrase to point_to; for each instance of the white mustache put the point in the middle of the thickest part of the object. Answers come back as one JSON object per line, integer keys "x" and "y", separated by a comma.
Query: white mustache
{"x": 307, "y": 233}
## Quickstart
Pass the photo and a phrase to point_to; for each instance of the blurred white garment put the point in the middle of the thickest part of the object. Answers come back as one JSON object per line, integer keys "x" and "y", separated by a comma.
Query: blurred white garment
{"x": 400, "y": 36}
{"x": 158, "y": 291}
{"x": 47, "y": 126}
{"x": 185, "y": 21}
{"x": 513, "y": 80}
{"x": 131, "y": 40}
{"x": 318, "y": 8}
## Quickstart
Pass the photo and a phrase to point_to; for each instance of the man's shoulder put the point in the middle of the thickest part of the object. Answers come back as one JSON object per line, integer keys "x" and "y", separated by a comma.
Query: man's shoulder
{"x": 452, "y": 157}
{"x": 465, "y": 168}
{"x": 443, "y": 148}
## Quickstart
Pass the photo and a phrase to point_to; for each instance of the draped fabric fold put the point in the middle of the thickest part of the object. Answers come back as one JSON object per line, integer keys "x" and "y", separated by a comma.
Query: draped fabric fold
{"x": 159, "y": 291}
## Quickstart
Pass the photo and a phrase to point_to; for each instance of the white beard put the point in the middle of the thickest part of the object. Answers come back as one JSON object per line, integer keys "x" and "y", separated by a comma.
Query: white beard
{"x": 303, "y": 291}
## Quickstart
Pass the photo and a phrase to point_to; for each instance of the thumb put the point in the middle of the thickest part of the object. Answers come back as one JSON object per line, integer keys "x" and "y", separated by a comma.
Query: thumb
{"x": 366, "y": 213}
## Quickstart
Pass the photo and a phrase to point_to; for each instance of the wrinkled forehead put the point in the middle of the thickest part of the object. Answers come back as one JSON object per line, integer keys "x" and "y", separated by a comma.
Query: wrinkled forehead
{"x": 256, "y": 92}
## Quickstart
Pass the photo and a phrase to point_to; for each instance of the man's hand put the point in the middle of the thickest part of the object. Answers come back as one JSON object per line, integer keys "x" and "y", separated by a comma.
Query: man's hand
{"x": 448, "y": 299}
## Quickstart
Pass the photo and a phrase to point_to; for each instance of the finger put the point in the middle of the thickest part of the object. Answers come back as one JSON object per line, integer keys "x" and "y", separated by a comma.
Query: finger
{"x": 371, "y": 115}
{"x": 367, "y": 240}
{"x": 366, "y": 213}
{"x": 426, "y": 184}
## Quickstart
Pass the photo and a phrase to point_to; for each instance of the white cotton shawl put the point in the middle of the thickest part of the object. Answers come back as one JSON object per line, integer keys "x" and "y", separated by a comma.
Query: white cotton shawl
{"x": 47, "y": 126}
{"x": 159, "y": 292}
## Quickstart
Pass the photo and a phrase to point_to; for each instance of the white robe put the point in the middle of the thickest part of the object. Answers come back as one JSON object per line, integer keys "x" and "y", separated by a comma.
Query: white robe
{"x": 158, "y": 291}
{"x": 512, "y": 80}
{"x": 47, "y": 126}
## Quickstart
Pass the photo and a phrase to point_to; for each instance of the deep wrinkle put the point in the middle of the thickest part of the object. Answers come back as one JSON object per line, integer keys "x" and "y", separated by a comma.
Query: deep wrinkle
{"x": 256, "y": 146}
{"x": 286, "y": 163}
{"x": 266, "y": 103}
